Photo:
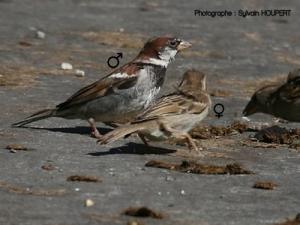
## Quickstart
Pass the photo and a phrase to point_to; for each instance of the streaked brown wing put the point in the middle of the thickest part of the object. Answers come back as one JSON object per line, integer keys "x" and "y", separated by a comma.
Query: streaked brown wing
{"x": 104, "y": 86}
{"x": 174, "y": 104}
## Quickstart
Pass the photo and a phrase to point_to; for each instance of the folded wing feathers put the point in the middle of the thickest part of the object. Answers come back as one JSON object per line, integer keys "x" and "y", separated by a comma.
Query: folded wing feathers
{"x": 102, "y": 87}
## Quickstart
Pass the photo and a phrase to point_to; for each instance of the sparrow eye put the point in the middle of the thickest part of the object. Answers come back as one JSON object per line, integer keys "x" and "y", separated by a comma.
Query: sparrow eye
{"x": 173, "y": 43}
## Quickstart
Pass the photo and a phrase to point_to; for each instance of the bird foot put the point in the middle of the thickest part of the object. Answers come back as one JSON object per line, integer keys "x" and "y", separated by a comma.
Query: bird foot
{"x": 94, "y": 133}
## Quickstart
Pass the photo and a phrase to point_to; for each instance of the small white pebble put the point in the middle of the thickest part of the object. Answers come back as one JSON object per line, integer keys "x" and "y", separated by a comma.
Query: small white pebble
{"x": 169, "y": 178}
{"x": 89, "y": 203}
{"x": 1, "y": 75}
{"x": 159, "y": 193}
{"x": 40, "y": 34}
{"x": 246, "y": 118}
{"x": 79, "y": 73}
{"x": 32, "y": 28}
{"x": 66, "y": 66}
{"x": 182, "y": 192}
{"x": 133, "y": 223}
{"x": 77, "y": 189}
{"x": 122, "y": 30}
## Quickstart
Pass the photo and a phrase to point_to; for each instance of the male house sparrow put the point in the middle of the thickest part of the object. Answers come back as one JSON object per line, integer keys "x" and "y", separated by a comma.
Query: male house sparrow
{"x": 172, "y": 116}
{"x": 278, "y": 100}
{"x": 122, "y": 94}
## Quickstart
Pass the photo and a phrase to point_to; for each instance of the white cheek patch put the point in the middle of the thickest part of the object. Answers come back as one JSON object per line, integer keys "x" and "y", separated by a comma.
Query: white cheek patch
{"x": 168, "y": 54}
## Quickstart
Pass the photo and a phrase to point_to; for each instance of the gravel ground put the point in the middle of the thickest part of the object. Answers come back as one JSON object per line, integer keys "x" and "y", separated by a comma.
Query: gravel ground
{"x": 238, "y": 54}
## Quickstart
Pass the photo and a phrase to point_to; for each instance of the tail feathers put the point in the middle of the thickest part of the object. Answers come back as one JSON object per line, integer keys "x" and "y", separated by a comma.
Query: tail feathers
{"x": 120, "y": 132}
{"x": 43, "y": 114}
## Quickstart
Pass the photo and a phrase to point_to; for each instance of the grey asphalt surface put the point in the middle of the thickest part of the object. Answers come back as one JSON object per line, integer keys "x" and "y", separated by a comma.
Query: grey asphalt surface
{"x": 238, "y": 54}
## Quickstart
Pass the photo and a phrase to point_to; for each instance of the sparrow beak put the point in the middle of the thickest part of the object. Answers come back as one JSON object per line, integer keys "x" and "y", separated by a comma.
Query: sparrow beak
{"x": 250, "y": 109}
{"x": 183, "y": 45}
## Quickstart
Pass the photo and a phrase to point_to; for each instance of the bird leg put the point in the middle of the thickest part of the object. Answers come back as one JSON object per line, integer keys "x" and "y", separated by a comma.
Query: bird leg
{"x": 179, "y": 135}
{"x": 94, "y": 133}
{"x": 191, "y": 143}
{"x": 142, "y": 137}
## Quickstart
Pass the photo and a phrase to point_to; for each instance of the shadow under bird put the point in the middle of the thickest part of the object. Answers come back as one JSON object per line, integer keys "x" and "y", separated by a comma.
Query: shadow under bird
{"x": 172, "y": 116}
{"x": 122, "y": 94}
{"x": 282, "y": 100}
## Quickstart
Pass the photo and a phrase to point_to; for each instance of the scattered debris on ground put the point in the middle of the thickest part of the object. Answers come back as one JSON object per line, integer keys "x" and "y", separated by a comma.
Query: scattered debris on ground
{"x": 105, "y": 218}
{"x": 266, "y": 185}
{"x": 278, "y": 135}
{"x": 16, "y": 147}
{"x": 40, "y": 34}
{"x": 295, "y": 221}
{"x": 295, "y": 144}
{"x": 142, "y": 212}
{"x": 82, "y": 178}
{"x": 220, "y": 93}
{"x": 207, "y": 132}
{"x": 79, "y": 73}
{"x": 48, "y": 167}
{"x": 116, "y": 39}
{"x": 256, "y": 144}
{"x": 89, "y": 203}
{"x": 25, "y": 43}
{"x": 66, "y": 66}
{"x": 149, "y": 6}
{"x": 29, "y": 191}
{"x": 193, "y": 167}
{"x": 134, "y": 222}
{"x": 17, "y": 76}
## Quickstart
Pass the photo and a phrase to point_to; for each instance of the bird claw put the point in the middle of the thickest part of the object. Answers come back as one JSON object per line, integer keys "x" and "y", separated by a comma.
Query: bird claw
{"x": 96, "y": 134}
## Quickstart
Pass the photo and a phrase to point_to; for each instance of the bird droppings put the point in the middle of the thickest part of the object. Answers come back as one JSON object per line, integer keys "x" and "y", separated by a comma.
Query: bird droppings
{"x": 66, "y": 66}
{"x": 16, "y": 147}
{"x": 12, "y": 188}
{"x": 143, "y": 212}
{"x": 266, "y": 185}
{"x": 83, "y": 178}
{"x": 193, "y": 167}
{"x": 40, "y": 34}
{"x": 79, "y": 73}
{"x": 295, "y": 221}
{"x": 278, "y": 135}
{"x": 89, "y": 203}
{"x": 207, "y": 132}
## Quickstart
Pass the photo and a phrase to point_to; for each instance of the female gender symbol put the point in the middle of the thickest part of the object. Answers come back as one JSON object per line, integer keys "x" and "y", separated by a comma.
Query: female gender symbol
{"x": 219, "y": 109}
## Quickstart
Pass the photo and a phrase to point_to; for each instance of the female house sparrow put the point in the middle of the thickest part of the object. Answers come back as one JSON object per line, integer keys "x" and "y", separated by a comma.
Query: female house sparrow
{"x": 278, "y": 100}
{"x": 122, "y": 94}
{"x": 173, "y": 115}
